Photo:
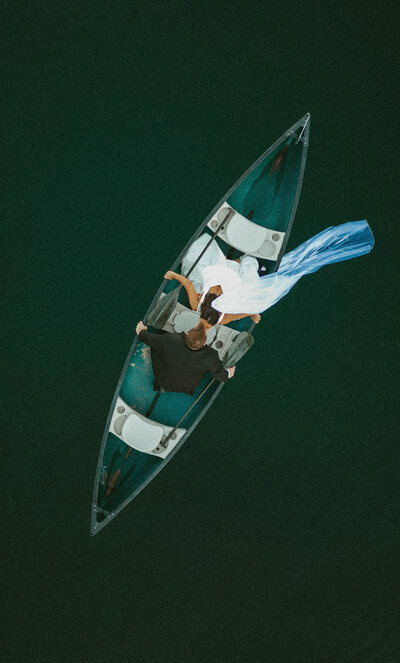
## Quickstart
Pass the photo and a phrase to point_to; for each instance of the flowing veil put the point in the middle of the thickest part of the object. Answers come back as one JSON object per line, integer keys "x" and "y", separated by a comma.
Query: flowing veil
{"x": 337, "y": 243}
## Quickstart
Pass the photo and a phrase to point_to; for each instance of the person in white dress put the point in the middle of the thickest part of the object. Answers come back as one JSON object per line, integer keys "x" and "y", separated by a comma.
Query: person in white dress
{"x": 231, "y": 287}
{"x": 213, "y": 276}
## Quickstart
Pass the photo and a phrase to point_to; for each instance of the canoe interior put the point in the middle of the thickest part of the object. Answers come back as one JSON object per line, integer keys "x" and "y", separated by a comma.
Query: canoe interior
{"x": 269, "y": 191}
{"x": 137, "y": 391}
{"x": 134, "y": 470}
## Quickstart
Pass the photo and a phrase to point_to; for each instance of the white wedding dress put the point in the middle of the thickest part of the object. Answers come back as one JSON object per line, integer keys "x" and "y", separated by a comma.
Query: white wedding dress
{"x": 215, "y": 269}
{"x": 244, "y": 291}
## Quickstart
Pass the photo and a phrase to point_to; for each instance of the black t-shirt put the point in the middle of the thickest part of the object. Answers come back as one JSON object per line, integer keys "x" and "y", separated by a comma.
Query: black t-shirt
{"x": 178, "y": 368}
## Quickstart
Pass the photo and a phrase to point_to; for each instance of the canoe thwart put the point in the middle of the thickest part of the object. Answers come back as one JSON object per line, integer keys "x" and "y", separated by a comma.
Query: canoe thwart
{"x": 163, "y": 308}
{"x": 239, "y": 346}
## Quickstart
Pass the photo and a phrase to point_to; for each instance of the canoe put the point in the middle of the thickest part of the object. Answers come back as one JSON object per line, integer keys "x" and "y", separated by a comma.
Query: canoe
{"x": 255, "y": 216}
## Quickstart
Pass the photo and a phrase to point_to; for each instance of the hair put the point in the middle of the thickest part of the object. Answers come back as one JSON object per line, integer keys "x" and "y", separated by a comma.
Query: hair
{"x": 196, "y": 337}
{"x": 209, "y": 314}
{"x": 210, "y": 296}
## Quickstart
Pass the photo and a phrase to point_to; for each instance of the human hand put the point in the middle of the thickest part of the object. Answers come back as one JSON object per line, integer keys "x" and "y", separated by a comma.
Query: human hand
{"x": 256, "y": 317}
{"x": 170, "y": 275}
{"x": 140, "y": 327}
{"x": 231, "y": 370}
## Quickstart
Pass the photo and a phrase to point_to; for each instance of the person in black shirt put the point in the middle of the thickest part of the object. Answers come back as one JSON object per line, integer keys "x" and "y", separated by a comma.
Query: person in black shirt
{"x": 180, "y": 360}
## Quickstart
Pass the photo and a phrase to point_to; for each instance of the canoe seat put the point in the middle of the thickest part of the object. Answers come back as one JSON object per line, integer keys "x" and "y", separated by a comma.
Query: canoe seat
{"x": 186, "y": 320}
{"x": 219, "y": 337}
{"x": 247, "y": 236}
{"x": 139, "y": 432}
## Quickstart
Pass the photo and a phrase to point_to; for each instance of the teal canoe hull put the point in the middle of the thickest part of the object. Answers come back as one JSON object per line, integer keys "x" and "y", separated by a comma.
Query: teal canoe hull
{"x": 270, "y": 190}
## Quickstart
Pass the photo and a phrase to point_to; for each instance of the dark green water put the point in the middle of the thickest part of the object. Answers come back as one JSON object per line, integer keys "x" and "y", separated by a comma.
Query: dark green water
{"x": 274, "y": 533}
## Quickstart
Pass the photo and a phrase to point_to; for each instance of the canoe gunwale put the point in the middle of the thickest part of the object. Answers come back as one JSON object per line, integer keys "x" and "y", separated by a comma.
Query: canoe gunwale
{"x": 305, "y": 134}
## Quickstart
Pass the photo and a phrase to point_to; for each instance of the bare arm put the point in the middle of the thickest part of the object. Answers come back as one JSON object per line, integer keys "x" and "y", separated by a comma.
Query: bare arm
{"x": 188, "y": 285}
